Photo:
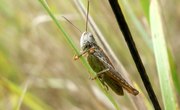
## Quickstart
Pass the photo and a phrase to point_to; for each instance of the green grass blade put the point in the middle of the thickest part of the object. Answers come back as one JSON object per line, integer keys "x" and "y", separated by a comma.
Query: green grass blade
{"x": 136, "y": 22}
{"x": 145, "y": 6}
{"x": 174, "y": 72}
{"x": 32, "y": 102}
{"x": 161, "y": 56}
{"x": 72, "y": 45}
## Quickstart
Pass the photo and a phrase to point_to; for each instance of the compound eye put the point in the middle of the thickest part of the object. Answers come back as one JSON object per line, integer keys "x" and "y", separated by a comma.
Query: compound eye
{"x": 86, "y": 47}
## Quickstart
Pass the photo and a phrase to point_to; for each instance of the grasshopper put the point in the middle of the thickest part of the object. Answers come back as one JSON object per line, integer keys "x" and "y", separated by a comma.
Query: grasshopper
{"x": 101, "y": 64}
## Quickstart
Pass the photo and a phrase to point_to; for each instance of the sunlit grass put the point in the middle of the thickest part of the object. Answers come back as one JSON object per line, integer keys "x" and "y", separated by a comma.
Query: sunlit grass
{"x": 30, "y": 58}
{"x": 161, "y": 55}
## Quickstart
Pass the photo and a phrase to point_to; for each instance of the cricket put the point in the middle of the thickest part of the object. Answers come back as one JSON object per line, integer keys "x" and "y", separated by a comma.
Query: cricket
{"x": 101, "y": 64}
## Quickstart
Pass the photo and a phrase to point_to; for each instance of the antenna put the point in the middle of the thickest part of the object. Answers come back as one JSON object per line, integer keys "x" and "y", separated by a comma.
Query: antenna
{"x": 87, "y": 15}
{"x": 72, "y": 24}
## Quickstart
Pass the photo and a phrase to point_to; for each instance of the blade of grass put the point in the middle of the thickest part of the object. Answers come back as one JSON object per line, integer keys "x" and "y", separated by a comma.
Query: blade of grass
{"x": 136, "y": 22}
{"x": 174, "y": 73}
{"x": 145, "y": 6}
{"x": 72, "y": 45}
{"x": 176, "y": 80}
{"x": 31, "y": 101}
{"x": 23, "y": 95}
{"x": 161, "y": 56}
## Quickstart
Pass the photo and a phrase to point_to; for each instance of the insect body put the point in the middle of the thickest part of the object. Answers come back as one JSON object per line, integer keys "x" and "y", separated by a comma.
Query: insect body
{"x": 101, "y": 64}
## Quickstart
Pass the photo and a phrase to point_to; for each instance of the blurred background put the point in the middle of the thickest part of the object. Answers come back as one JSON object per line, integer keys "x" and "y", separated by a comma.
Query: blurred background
{"x": 37, "y": 70}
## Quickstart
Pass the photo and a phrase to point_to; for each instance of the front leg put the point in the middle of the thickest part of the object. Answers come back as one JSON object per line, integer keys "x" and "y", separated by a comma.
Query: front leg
{"x": 91, "y": 50}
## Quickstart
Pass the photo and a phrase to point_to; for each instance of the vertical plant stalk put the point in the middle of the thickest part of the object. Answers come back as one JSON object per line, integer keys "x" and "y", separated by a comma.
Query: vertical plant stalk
{"x": 28, "y": 99}
{"x": 136, "y": 57}
{"x": 139, "y": 27}
{"x": 161, "y": 55}
{"x": 23, "y": 94}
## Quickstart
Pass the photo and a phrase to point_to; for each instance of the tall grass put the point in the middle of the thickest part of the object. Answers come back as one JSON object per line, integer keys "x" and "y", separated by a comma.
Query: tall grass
{"x": 37, "y": 71}
{"x": 161, "y": 55}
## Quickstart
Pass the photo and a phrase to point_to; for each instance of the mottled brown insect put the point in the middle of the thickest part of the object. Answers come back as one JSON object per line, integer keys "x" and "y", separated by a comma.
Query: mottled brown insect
{"x": 101, "y": 64}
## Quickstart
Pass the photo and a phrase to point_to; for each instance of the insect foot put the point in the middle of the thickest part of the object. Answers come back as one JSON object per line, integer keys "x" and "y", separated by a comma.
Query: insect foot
{"x": 76, "y": 57}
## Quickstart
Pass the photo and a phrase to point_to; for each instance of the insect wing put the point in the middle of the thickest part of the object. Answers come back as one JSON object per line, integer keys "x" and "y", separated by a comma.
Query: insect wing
{"x": 118, "y": 79}
{"x": 121, "y": 81}
{"x": 114, "y": 85}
